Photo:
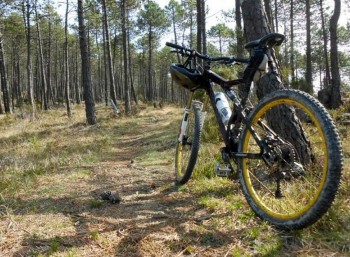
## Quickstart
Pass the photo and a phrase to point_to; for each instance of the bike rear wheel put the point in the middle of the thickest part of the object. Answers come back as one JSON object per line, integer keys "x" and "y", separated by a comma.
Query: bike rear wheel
{"x": 187, "y": 149}
{"x": 288, "y": 187}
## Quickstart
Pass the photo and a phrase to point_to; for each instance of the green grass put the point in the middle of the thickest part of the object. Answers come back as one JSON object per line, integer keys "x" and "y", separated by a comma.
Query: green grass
{"x": 49, "y": 169}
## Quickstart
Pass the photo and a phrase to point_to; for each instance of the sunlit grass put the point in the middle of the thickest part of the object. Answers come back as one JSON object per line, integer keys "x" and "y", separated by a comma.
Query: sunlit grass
{"x": 43, "y": 162}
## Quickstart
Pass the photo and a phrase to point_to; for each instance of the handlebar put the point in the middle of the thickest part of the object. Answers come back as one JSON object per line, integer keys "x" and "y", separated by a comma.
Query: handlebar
{"x": 192, "y": 52}
{"x": 177, "y": 46}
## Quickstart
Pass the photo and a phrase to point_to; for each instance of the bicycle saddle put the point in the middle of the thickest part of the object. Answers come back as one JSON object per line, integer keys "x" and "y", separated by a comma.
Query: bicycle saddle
{"x": 271, "y": 40}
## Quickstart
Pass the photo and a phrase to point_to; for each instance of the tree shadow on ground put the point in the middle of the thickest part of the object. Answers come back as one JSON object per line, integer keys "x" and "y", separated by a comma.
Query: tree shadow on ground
{"x": 150, "y": 221}
{"x": 130, "y": 225}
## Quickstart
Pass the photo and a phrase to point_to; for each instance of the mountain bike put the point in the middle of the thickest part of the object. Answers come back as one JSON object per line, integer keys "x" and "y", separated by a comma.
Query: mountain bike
{"x": 285, "y": 148}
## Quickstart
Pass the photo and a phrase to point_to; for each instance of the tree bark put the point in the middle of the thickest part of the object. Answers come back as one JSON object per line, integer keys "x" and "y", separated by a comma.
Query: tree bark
{"x": 42, "y": 62}
{"x": 239, "y": 30}
{"x": 276, "y": 16}
{"x": 174, "y": 22}
{"x": 30, "y": 86}
{"x": 203, "y": 28}
{"x": 109, "y": 55}
{"x": 333, "y": 25}
{"x": 4, "y": 82}
{"x": 308, "y": 75}
{"x": 125, "y": 58}
{"x": 105, "y": 73}
{"x": 77, "y": 80}
{"x": 85, "y": 61}
{"x": 292, "y": 65}
{"x": 49, "y": 89}
{"x": 199, "y": 20}
{"x": 131, "y": 74}
{"x": 325, "y": 43}
{"x": 150, "y": 94}
{"x": 67, "y": 81}
{"x": 268, "y": 11}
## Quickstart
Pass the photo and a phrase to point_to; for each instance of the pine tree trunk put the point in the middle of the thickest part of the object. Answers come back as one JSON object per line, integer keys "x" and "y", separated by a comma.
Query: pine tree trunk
{"x": 150, "y": 95}
{"x": 109, "y": 55}
{"x": 333, "y": 25}
{"x": 203, "y": 28}
{"x": 4, "y": 82}
{"x": 268, "y": 11}
{"x": 99, "y": 67}
{"x": 325, "y": 43}
{"x": 105, "y": 73}
{"x": 42, "y": 65}
{"x": 67, "y": 87}
{"x": 292, "y": 65}
{"x": 191, "y": 27}
{"x": 77, "y": 80}
{"x": 199, "y": 21}
{"x": 49, "y": 90}
{"x": 85, "y": 61}
{"x": 131, "y": 74}
{"x": 309, "y": 85}
{"x": 239, "y": 30}
{"x": 276, "y": 16}
{"x": 16, "y": 78}
{"x": 256, "y": 27}
{"x": 30, "y": 86}
{"x": 126, "y": 59}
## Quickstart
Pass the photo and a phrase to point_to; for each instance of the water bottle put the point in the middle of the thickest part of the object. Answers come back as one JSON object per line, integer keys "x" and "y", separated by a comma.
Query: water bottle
{"x": 223, "y": 106}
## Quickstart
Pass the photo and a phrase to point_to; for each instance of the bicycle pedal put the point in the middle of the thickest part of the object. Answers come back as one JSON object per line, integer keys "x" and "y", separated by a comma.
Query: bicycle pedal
{"x": 223, "y": 172}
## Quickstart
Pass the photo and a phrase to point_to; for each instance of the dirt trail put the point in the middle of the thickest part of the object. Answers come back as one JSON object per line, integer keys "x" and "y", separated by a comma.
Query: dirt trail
{"x": 151, "y": 220}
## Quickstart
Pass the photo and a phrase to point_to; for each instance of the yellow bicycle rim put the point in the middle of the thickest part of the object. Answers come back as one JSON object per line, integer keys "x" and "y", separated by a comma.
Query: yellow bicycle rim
{"x": 248, "y": 176}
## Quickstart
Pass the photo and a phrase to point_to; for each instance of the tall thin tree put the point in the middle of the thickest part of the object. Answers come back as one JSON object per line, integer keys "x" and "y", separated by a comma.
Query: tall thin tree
{"x": 109, "y": 56}
{"x": 308, "y": 75}
{"x": 3, "y": 74}
{"x": 125, "y": 58}
{"x": 239, "y": 29}
{"x": 44, "y": 103}
{"x": 30, "y": 87}
{"x": 292, "y": 65}
{"x": 86, "y": 73}
{"x": 325, "y": 43}
{"x": 199, "y": 21}
{"x": 66, "y": 66}
{"x": 336, "y": 80}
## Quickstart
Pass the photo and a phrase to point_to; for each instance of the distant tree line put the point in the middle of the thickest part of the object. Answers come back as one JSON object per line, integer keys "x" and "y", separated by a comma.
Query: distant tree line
{"x": 104, "y": 51}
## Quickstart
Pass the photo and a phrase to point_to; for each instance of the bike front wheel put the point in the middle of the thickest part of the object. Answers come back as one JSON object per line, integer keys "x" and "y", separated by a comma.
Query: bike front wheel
{"x": 187, "y": 146}
{"x": 294, "y": 177}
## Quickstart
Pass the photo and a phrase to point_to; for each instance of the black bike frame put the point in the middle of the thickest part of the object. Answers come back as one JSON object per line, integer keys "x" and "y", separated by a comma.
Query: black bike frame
{"x": 238, "y": 115}
{"x": 260, "y": 48}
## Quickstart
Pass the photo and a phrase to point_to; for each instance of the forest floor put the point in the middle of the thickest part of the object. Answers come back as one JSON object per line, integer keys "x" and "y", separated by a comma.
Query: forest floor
{"x": 53, "y": 171}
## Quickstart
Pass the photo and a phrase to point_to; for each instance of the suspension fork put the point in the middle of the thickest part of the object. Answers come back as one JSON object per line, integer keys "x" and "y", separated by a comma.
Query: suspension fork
{"x": 184, "y": 123}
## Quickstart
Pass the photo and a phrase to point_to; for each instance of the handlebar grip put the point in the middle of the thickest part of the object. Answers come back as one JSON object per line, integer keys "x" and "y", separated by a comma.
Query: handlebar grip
{"x": 174, "y": 46}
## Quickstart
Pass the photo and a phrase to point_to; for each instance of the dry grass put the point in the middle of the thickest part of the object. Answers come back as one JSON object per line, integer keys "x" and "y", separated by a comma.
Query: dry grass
{"x": 52, "y": 171}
